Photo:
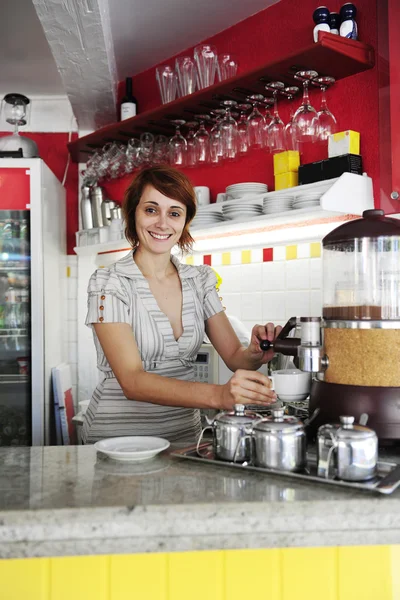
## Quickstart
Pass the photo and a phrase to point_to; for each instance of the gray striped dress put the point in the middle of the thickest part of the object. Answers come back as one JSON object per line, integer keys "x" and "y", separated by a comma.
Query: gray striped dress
{"x": 121, "y": 294}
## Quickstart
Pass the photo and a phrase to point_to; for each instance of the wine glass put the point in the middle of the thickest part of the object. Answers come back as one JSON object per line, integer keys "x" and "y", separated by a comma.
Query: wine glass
{"x": 147, "y": 147}
{"x": 305, "y": 118}
{"x": 216, "y": 149}
{"x": 243, "y": 129}
{"x": 256, "y": 122}
{"x": 191, "y": 144}
{"x": 177, "y": 145}
{"x": 133, "y": 159}
{"x": 290, "y": 135}
{"x": 160, "y": 154}
{"x": 202, "y": 141}
{"x": 229, "y": 132}
{"x": 276, "y": 128}
{"x": 326, "y": 121}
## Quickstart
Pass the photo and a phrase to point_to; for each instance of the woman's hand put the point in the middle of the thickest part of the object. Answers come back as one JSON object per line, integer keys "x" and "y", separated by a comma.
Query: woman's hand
{"x": 262, "y": 332}
{"x": 246, "y": 387}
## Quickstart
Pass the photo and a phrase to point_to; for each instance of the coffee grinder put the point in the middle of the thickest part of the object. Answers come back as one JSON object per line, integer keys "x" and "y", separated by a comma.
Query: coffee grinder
{"x": 353, "y": 351}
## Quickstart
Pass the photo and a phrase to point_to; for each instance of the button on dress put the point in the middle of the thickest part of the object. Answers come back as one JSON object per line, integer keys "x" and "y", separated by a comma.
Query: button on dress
{"x": 121, "y": 294}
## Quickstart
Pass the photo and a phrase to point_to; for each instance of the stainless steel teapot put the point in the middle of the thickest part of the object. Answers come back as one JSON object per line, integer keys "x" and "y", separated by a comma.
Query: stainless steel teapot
{"x": 231, "y": 434}
{"x": 347, "y": 451}
{"x": 279, "y": 442}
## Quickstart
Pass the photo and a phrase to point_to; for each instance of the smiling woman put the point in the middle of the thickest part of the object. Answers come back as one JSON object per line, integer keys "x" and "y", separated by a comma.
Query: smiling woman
{"x": 149, "y": 314}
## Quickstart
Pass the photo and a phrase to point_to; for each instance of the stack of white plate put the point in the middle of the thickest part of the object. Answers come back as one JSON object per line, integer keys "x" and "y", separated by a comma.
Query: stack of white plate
{"x": 240, "y": 211}
{"x": 206, "y": 217}
{"x": 277, "y": 204}
{"x": 307, "y": 200}
{"x": 238, "y": 190}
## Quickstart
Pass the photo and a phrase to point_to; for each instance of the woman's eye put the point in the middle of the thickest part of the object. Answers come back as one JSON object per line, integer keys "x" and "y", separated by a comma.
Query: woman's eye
{"x": 150, "y": 210}
{"x": 175, "y": 214}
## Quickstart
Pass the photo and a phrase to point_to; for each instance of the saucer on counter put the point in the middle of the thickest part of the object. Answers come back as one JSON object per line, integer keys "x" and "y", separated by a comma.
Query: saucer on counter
{"x": 135, "y": 448}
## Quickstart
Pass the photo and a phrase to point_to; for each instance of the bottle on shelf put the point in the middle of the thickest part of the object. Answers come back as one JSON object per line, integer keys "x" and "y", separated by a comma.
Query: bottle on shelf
{"x": 348, "y": 27}
{"x": 321, "y": 20}
{"x": 334, "y": 22}
{"x": 128, "y": 102}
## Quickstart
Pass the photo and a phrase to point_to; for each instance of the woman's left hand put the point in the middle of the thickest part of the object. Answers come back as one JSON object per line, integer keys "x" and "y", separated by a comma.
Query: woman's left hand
{"x": 262, "y": 332}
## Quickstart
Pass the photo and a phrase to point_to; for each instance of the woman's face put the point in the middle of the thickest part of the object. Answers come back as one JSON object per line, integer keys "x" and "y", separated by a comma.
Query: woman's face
{"x": 159, "y": 221}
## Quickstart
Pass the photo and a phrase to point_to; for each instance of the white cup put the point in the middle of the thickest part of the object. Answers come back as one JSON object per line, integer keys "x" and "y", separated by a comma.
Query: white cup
{"x": 202, "y": 194}
{"x": 221, "y": 197}
{"x": 291, "y": 385}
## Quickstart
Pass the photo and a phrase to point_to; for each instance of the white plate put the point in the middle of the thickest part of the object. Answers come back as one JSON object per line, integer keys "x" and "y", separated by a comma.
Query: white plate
{"x": 133, "y": 448}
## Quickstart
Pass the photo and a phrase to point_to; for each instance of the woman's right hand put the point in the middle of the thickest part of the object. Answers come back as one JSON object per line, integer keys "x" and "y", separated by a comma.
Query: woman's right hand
{"x": 247, "y": 387}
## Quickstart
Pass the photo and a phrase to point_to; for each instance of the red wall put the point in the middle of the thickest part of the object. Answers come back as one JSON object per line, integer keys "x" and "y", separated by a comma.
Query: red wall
{"x": 268, "y": 35}
{"x": 53, "y": 150}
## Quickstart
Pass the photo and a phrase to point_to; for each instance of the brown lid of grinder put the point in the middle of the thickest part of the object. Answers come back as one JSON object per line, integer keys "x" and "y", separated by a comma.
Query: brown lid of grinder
{"x": 373, "y": 224}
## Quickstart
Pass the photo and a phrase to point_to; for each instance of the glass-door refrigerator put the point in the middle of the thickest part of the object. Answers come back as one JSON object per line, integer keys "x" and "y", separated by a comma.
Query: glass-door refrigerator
{"x": 32, "y": 297}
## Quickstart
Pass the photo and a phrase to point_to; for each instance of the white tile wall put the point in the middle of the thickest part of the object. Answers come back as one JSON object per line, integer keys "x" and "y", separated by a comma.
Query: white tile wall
{"x": 71, "y": 322}
{"x": 272, "y": 291}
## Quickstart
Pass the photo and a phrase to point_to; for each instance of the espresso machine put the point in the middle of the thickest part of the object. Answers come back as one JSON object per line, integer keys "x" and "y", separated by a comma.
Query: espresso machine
{"x": 353, "y": 351}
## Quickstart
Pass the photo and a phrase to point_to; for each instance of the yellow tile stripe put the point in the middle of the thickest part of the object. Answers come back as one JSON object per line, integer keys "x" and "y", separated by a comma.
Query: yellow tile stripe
{"x": 190, "y": 260}
{"x": 315, "y": 249}
{"x": 344, "y": 573}
{"x": 68, "y": 271}
{"x": 226, "y": 258}
{"x": 246, "y": 257}
{"x": 291, "y": 252}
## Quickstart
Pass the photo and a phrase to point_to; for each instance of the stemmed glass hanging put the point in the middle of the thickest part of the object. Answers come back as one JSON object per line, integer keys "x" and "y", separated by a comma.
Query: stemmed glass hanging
{"x": 191, "y": 144}
{"x": 268, "y": 118}
{"x": 290, "y": 136}
{"x": 243, "y": 129}
{"x": 177, "y": 145}
{"x": 256, "y": 122}
{"x": 276, "y": 129}
{"x": 160, "y": 154}
{"x": 202, "y": 141}
{"x": 326, "y": 121}
{"x": 305, "y": 118}
{"x": 229, "y": 132}
{"x": 216, "y": 150}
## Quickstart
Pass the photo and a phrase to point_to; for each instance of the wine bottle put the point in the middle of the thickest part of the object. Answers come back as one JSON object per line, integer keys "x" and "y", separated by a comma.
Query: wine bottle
{"x": 128, "y": 102}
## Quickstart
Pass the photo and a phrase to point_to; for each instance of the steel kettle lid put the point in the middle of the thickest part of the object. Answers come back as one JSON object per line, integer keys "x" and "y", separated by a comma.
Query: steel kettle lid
{"x": 349, "y": 430}
{"x": 238, "y": 415}
{"x": 279, "y": 422}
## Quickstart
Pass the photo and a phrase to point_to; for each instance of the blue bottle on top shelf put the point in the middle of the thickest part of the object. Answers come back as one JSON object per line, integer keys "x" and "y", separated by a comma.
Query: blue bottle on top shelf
{"x": 348, "y": 28}
{"x": 334, "y": 22}
{"x": 321, "y": 20}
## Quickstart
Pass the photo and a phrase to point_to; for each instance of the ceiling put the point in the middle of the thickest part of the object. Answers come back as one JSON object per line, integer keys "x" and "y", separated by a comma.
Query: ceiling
{"x": 26, "y": 63}
{"x": 146, "y": 32}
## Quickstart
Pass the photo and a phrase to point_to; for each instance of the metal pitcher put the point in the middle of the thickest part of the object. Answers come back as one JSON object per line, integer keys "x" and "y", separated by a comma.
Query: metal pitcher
{"x": 347, "y": 451}
{"x": 231, "y": 434}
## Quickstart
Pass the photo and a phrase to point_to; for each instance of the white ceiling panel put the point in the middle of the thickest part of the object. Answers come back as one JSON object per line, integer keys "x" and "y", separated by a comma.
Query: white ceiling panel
{"x": 146, "y": 32}
{"x": 26, "y": 62}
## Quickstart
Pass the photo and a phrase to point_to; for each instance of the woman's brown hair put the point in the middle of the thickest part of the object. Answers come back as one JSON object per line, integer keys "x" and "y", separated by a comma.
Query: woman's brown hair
{"x": 167, "y": 181}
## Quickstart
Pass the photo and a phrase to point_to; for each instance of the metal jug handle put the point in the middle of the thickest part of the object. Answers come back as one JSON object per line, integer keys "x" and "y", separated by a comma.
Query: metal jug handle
{"x": 312, "y": 417}
{"x": 330, "y": 453}
{"x": 200, "y": 440}
{"x": 242, "y": 439}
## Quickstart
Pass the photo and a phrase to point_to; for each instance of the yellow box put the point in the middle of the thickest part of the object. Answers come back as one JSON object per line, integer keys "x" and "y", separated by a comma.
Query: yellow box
{"x": 286, "y": 180}
{"x": 344, "y": 142}
{"x": 286, "y": 162}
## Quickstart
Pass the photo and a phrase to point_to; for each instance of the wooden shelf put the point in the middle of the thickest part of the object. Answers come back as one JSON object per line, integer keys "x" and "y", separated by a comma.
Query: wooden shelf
{"x": 331, "y": 55}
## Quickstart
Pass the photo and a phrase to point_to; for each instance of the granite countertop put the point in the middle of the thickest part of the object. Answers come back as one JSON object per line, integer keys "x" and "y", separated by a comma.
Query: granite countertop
{"x": 57, "y": 501}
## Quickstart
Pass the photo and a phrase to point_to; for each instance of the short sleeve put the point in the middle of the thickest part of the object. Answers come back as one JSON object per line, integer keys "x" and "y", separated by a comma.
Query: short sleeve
{"x": 108, "y": 300}
{"x": 212, "y": 303}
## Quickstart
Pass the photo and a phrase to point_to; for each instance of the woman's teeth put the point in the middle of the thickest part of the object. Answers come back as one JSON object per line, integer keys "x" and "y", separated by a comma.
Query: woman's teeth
{"x": 159, "y": 236}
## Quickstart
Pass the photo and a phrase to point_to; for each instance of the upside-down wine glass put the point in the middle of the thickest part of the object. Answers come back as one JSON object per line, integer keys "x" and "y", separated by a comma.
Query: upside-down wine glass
{"x": 191, "y": 144}
{"x": 243, "y": 129}
{"x": 177, "y": 145}
{"x": 305, "y": 118}
{"x": 256, "y": 122}
{"x": 216, "y": 149}
{"x": 290, "y": 137}
{"x": 229, "y": 132}
{"x": 326, "y": 121}
{"x": 276, "y": 129}
{"x": 202, "y": 141}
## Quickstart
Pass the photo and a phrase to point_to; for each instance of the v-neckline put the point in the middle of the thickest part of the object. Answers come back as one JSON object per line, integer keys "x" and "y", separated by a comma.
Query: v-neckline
{"x": 166, "y": 318}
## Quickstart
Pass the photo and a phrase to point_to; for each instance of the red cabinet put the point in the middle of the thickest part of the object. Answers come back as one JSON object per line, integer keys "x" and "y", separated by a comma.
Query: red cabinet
{"x": 388, "y": 57}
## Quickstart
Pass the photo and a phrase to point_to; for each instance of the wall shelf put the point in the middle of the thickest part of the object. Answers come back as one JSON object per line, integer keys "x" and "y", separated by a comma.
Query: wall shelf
{"x": 331, "y": 55}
